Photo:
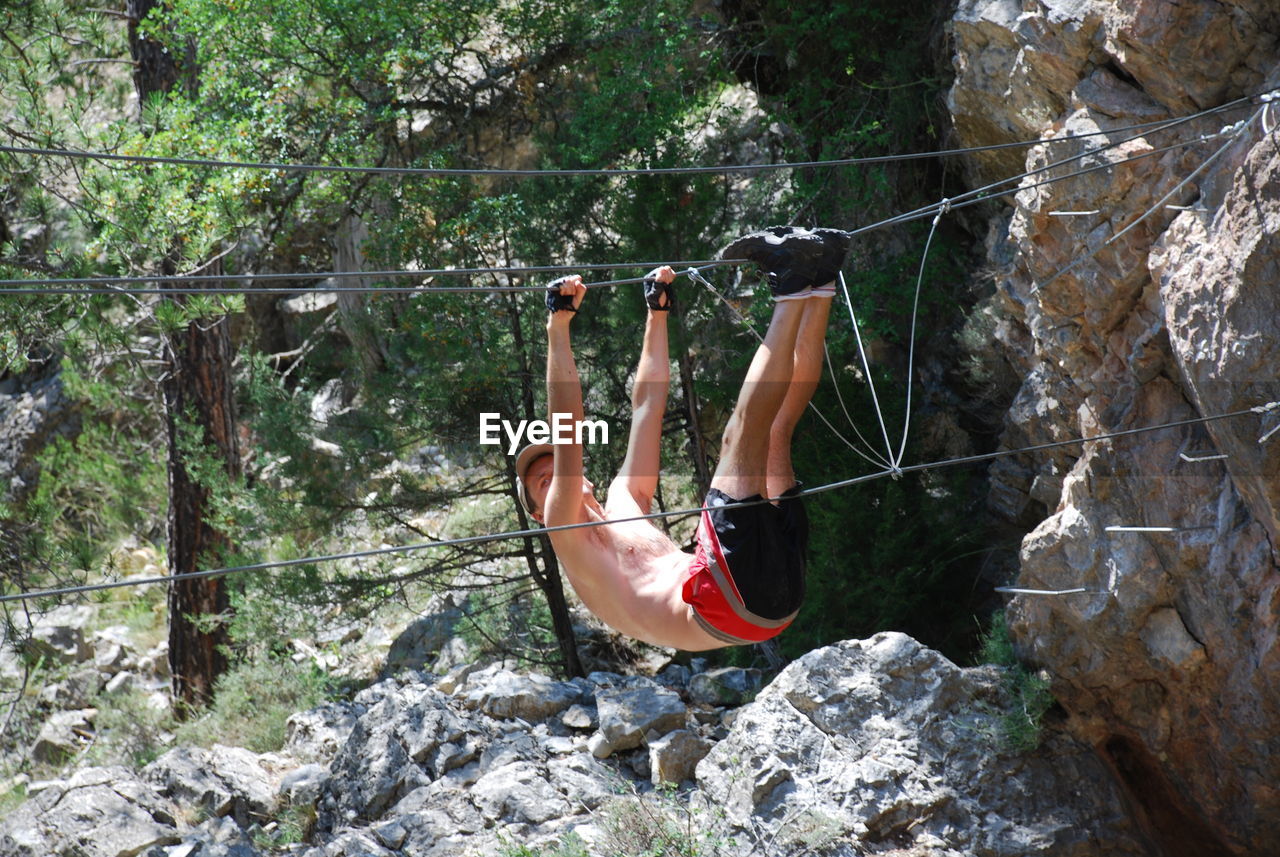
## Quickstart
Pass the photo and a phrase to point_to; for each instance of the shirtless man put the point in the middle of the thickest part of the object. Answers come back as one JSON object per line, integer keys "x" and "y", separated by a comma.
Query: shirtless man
{"x": 745, "y": 582}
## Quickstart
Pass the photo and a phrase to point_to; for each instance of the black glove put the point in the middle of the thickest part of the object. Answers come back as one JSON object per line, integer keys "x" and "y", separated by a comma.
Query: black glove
{"x": 654, "y": 289}
{"x": 557, "y": 301}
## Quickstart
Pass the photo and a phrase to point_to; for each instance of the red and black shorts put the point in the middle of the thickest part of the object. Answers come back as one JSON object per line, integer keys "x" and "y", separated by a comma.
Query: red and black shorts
{"x": 746, "y": 581}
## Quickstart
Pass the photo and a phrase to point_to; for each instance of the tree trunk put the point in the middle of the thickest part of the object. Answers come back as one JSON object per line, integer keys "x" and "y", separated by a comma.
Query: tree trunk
{"x": 353, "y": 312}
{"x": 199, "y": 408}
{"x": 697, "y": 443}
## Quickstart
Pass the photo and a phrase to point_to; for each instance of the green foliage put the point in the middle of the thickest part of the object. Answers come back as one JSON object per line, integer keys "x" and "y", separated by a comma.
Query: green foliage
{"x": 253, "y": 700}
{"x": 509, "y": 619}
{"x": 659, "y": 824}
{"x": 90, "y": 488}
{"x": 569, "y": 845}
{"x": 431, "y": 83}
{"x": 293, "y": 825}
{"x": 129, "y": 730}
{"x": 1020, "y": 726}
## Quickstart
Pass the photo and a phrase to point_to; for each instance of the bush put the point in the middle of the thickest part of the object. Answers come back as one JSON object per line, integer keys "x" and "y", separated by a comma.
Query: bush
{"x": 657, "y": 823}
{"x": 252, "y": 701}
{"x": 1021, "y": 725}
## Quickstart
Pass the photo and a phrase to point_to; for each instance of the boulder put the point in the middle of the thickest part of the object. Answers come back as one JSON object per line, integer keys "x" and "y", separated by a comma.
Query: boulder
{"x": 63, "y": 735}
{"x": 419, "y": 645}
{"x": 215, "y": 837}
{"x": 532, "y": 697}
{"x": 59, "y": 635}
{"x": 302, "y": 785}
{"x": 319, "y": 733}
{"x": 519, "y": 793}
{"x": 580, "y": 717}
{"x": 98, "y": 812}
{"x": 77, "y": 690}
{"x": 674, "y": 756}
{"x": 423, "y": 774}
{"x": 408, "y": 735}
{"x": 583, "y": 780}
{"x": 352, "y": 843}
{"x": 883, "y": 741}
{"x": 628, "y": 715}
{"x": 113, "y": 650}
{"x": 222, "y": 781}
{"x": 156, "y": 661}
{"x": 121, "y": 682}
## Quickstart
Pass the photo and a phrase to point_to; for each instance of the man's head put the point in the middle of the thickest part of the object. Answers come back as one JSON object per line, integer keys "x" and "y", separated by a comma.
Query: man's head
{"x": 533, "y": 477}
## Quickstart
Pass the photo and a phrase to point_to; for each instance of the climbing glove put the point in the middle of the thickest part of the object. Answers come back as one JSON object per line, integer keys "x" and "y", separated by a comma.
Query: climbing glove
{"x": 557, "y": 301}
{"x": 654, "y": 289}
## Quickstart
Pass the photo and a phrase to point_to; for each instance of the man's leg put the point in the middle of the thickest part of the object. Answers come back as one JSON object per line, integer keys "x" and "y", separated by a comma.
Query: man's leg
{"x": 805, "y": 375}
{"x": 742, "y": 469}
{"x": 796, "y": 260}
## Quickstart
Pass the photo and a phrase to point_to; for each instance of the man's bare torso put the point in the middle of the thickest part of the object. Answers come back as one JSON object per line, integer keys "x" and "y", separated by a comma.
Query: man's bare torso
{"x": 630, "y": 574}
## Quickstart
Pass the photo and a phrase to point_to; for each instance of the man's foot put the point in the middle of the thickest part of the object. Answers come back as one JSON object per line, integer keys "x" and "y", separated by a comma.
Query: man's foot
{"x": 794, "y": 258}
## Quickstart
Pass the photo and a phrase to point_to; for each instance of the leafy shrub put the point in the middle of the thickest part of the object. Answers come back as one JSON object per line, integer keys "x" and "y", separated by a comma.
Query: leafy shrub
{"x": 253, "y": 700}
{"x": 1020, "y": 725}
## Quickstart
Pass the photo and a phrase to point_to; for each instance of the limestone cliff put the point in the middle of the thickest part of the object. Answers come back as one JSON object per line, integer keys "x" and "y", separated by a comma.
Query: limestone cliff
{"x": 1168, "y": 664}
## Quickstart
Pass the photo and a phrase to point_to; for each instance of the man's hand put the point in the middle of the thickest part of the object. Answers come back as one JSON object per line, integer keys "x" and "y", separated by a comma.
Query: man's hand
{"x": 657, "y": 289}
{"x": 565, "y": 296}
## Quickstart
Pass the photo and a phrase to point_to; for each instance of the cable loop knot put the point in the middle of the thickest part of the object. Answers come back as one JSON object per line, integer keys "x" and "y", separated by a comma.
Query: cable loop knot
{"x": 696, "y": 275}
{"x": 1233, "y": 128}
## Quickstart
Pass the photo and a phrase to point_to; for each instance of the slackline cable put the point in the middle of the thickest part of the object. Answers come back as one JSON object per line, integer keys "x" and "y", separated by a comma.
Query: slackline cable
{"x": 514, "y": 534}
{"x": 438, "y": 172}
{"x": 82, "y": 285}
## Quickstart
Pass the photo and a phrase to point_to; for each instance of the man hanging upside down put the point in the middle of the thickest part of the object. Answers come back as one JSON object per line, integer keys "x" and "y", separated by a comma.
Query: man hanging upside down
{"x": 745, "y": 582}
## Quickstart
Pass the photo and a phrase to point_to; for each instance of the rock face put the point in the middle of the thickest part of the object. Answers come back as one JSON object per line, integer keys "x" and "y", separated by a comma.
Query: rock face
{"x": 885, "y": 743}
{"x": 33, "y": 411}
{"x": 99, "y": 812}
{"x": 1168, "y": 664}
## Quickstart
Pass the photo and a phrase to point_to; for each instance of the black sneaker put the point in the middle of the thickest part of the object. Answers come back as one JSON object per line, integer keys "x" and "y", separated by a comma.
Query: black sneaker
{"x": 794, "y": 258}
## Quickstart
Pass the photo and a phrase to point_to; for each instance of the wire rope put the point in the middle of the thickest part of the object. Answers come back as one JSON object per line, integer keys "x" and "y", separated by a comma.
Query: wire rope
{"x": 513, "y": 534}
{"x": 445, "y": 172}
{"x": 866, "y": 371}
{"x": 894, "y": 470}
{"x": 870, "y": 456}
{"x": 911, "y": 337}
{"x": 83, "y": 286}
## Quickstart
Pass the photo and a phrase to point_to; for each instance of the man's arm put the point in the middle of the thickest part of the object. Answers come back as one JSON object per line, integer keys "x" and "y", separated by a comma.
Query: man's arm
{"x": 563, "y": 503}
{"x": 639, "y": 473}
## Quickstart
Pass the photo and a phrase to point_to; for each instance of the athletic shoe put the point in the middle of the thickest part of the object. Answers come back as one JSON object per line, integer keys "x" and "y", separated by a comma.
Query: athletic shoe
{"x": 794, "y": 258}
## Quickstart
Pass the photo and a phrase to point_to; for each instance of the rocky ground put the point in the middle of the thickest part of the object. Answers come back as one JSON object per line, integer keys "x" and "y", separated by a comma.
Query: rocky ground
{"x": 874, "y": 746}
